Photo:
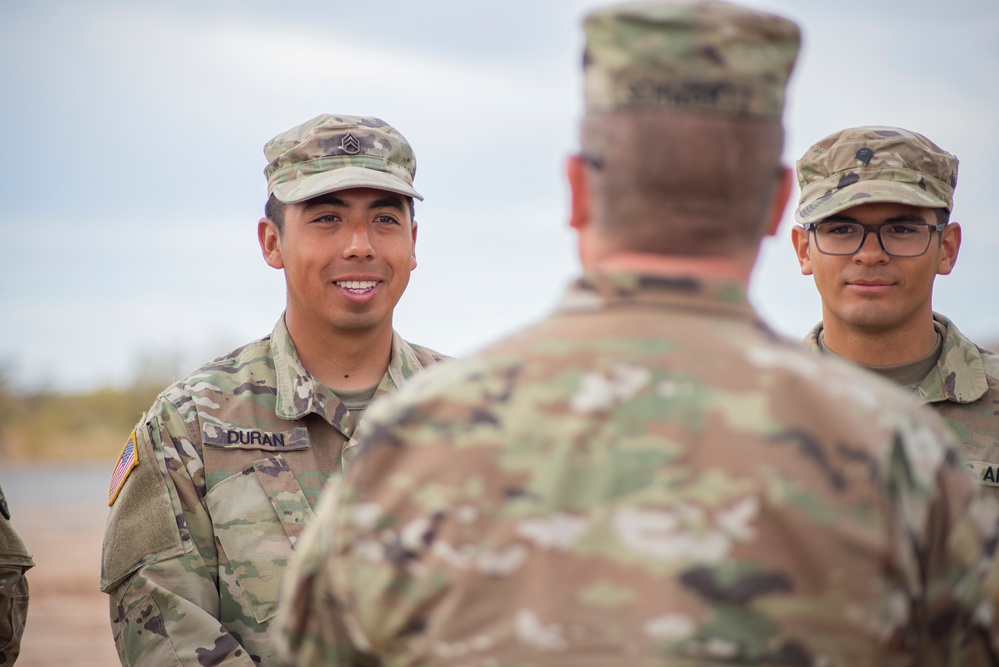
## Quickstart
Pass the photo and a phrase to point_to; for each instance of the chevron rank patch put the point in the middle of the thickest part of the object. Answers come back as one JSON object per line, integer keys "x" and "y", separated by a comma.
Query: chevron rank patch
{"x": 128, "y": 459}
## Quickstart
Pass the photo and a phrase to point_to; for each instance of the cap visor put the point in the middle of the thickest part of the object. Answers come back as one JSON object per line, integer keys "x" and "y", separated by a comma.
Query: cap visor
{"x": 343, "y": 178}
{"x": 865, "y": 192}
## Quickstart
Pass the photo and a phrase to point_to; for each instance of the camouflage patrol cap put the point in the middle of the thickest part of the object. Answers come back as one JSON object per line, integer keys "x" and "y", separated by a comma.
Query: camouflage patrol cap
{"x": 688, "y": 56}
{"x": 331, "y": 153}
{"x": 870, "y": 164}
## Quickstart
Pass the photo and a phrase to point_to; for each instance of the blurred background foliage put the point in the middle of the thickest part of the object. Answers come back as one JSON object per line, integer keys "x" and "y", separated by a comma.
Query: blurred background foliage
{"x": 41, "y": 424}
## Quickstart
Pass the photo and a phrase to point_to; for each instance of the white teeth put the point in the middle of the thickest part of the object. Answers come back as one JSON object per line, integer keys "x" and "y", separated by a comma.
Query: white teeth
{"x": 357, "y": 285}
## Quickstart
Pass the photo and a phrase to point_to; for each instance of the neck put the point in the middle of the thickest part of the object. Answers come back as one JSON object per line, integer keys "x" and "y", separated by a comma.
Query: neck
{"x": 737, "y": 269}
{"x": 880, "y": 347}
{"x": 347, "y": 360}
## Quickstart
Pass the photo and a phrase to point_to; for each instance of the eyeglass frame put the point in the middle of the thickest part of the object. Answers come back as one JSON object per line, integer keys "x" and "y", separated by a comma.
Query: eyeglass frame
{"x": 811, "y": 227}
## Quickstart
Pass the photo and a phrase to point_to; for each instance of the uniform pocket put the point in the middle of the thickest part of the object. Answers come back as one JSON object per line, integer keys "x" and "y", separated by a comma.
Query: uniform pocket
{"x": 13, "y": 605}
{"x": 258, "y": 515}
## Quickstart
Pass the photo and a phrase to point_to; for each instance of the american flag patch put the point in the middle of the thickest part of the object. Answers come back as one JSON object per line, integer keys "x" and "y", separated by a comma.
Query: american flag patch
{"x": 126, "y": 461}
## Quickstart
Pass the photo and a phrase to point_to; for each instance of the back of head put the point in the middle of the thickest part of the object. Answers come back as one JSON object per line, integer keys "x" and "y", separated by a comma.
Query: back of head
{"x": 683, "y": 126}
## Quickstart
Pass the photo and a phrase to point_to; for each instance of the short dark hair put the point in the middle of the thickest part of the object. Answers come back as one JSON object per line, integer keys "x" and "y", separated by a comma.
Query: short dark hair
{"x": 943, "y": 216}
{"x": 274, "y": 211}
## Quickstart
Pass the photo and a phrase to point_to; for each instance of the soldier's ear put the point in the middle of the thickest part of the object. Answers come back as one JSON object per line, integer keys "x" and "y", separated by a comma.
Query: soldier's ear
{"x": 579, "y": 218}
{"x": 799, "y": 238}
{"x": 782, "y": 192}
{"x": 412, "y": 264}
{"x": 269, "y": 237}
{"x": 579, "y": 187}
{"x": 950, "y": 245}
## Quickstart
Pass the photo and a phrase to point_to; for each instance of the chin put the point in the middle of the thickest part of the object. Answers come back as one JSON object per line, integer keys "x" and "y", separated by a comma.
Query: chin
{"x": 866, "y": 319}
{"x": 355, "y": 324}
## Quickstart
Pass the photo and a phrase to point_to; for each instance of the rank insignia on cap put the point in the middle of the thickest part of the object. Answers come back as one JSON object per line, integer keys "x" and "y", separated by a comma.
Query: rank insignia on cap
{"x": 350, "y": 144}
{"x": 864, "y": 155}
{"x": 128, "y": 459}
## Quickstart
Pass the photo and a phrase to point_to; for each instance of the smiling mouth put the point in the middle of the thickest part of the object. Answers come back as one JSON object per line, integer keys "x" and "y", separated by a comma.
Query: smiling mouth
{"x": 357, "y": 286}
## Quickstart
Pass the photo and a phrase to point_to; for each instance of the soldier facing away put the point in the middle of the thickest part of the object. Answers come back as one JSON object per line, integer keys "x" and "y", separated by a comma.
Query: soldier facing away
{"x": 875, "y": 233}
{"x": 14, "y": 562}
{"x": 651, "y": 476}
{"x": 219, "y": 478}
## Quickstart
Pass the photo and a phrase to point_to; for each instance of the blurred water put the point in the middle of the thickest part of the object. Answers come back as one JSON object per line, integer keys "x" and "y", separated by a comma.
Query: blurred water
{"x": 38, "y": 485}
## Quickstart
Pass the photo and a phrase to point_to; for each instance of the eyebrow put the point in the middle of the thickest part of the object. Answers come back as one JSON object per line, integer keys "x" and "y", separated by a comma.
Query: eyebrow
{"x": 902, "y": 217}
{"x": 389, "y": 201}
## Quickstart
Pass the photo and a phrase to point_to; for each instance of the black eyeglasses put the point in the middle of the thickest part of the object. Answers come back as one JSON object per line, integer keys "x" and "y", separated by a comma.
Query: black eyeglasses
{"x": 897, "y": 239}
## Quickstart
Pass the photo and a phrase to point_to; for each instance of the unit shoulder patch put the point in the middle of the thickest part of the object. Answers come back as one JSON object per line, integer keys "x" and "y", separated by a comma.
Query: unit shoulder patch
{"x": 127, "y": 461}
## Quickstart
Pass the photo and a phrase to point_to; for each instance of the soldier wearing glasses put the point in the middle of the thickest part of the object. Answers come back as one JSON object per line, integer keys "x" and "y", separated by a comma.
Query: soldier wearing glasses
{"x": 875, "y": 232}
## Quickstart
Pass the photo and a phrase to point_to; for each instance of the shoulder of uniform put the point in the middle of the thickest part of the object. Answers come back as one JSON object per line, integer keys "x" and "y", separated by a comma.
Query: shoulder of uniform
{"x": 252, "y": 354}
{"x": 224, "y": 373}
{"x": 991, "y": 361}
{"x": 964, "y": 350}
{"x": 426, "y": 355}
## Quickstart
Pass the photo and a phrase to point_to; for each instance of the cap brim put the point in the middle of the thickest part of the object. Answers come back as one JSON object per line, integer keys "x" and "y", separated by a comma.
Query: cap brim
{"x": 818, "y": 208}
{"x": 343, "y": 178}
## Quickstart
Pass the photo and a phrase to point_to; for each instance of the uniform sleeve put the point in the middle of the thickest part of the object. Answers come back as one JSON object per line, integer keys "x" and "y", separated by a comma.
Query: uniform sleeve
{"x": 14, "y": 562}
{"x": 311, "y": 630}
{"x": 945, "y": 556}
{"x": 159, "y": 562}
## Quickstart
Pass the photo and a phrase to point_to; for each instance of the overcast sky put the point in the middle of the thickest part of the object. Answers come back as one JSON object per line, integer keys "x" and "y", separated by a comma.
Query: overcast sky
{"x": 132, "y": 179}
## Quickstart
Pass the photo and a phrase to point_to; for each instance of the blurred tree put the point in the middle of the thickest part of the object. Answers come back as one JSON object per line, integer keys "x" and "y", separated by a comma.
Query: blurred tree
{"x": 42, "y": 424}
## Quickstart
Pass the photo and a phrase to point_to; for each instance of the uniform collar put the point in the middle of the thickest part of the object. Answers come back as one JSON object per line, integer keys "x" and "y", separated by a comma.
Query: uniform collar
{"x": 600, "y": 290}
{"x": 959, "y": 375}
{"x": 299, "y": 393}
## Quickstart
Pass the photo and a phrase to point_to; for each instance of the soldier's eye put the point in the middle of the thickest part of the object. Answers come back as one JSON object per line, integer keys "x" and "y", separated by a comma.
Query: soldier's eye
{"x": 839, "y": 230}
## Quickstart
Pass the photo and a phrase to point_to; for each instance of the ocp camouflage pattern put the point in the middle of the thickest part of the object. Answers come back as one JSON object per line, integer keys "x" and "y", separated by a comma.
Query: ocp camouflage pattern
{"x": 329, "y": 143}
{"x": 963, "y": 387}
{"x": 705, "y": 57}
{"x": 650, "y": 476}
{"x": 15, "y": 561}
{"x": 874, "y": 163}
{"x": 231, "y": 463}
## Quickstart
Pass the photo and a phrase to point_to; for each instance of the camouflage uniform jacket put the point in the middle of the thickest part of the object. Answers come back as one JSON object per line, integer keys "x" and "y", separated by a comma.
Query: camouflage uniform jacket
{"x": 231, "y": 461}
{"x": 964, "y": 388}
{"x": 14, "y": 562}
{"x": 648, "y": 477}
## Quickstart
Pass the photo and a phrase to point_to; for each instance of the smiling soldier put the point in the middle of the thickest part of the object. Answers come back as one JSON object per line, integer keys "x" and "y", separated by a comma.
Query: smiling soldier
{"x": 218, "y": 479}
{"x": 875, "y": 208}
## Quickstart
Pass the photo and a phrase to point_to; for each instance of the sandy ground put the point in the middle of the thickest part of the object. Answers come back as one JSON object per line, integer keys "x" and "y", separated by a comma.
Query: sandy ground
{"x": 68, "y": 615}
{"x": 60, "y": 511}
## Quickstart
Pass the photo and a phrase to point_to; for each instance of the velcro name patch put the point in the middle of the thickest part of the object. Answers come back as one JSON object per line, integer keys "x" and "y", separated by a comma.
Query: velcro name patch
{"x": 985, "y": 473}
{"x": 234, "y": 437}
